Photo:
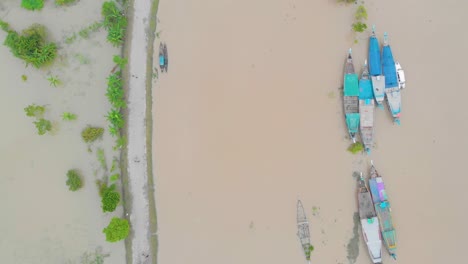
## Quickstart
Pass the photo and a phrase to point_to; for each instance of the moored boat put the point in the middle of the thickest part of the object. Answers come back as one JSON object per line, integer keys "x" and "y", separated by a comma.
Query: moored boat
{"x": 369, "y": 222}
{"x": 303, "y": 230}
{"x": 375, "y": 69}
{"x": 392, "y": 89}
{"x": 383, "y": 210}
{"x": 351, "y": 97}
{"x": 366, "y": 110}
{"x": 400, "y": 75}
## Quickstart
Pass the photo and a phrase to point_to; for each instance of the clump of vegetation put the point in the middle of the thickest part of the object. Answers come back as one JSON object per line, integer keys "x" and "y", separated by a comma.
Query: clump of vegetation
{"x": 346, "y": 1}
{"x": 356, "y": 148}
{"x": 121, "y": 62}
{"x": 101, "y": 158}
{"x": 74, "y": 181}
{"x": 360, "y": 16}
{"x": 24, "y": 78}
{"x": 43, "y": 126}
{"x": 34, "y": 110}
{"x": 115, "y": 165}
{"x": 64, "y": 2}
{"x": 110, "y": 199}
{"x": 115, "y": 117}
{"x": 115, "y": 92}
{"x": 54, "y": 81}
{"x": 120, "y": 142}
{"x": 115, "y": 22}
{"x": 67, "y": 116}
{"x": 308, "y": 251}
{"x": 90, "y": 134}
{"x": 114, "y": 177}
{"x": 84, "y": 32}
{"x": 118, "y": 229}
{"x": 97, "y": 257}
{"x": 4, "y": 26}
{"x": 32, "y": 4}
{"x": 31, "y": 45}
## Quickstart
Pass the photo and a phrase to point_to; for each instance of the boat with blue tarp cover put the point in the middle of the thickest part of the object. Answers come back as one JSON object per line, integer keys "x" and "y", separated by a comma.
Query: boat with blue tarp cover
{"x": 392, "y": 86}
{"x": 375, "y": 69}
{"x": 383, "y": 210}
{"x": 366, "y": 109}
{"x": 351, "y": 97}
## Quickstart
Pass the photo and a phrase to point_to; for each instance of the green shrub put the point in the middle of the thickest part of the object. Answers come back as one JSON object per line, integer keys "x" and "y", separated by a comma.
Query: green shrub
{"x": 356, "y": 148}
{"x": 31, "y": 46}
{"x": 114, "y": 177}
{"x": 361, "y": 13}
{"x": 74, "y": 181}
{"x": 110, "y": 199}
{"x": 120, "y": 61}
{"x": 32, "y": 4}
{"x": 54, "y": 81}
{"x": 120, "y": 142}
{"x": 43, "y": 126}
{"x": 115, "y": 118}
{"x": 115, "y": 92}
{"x": 4, "y": 26}
{"x": 67, "y": 116}
{"x": 359, "y": 27}
{"x": 24, "y": 78}
{"x": 118, "y": 229}
{"x": 115, "y": 22}
{"x": 90, "y": 134}
{"x": 34, "y": 110}
{"x": 64, "y": 2}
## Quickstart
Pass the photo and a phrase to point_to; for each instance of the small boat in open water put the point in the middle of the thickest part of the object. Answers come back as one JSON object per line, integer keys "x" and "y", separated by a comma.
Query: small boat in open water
{"x": 392, "y": 88}
{"x": 303, "y": 231}
{"x": 369, "y": 222}
{"x": 375, "y": 69}
{"x": 383, "y": 210}
{"x": 163, "y": 59}
{"x": 366, "y": 109}
{"x": 351, "y": 97}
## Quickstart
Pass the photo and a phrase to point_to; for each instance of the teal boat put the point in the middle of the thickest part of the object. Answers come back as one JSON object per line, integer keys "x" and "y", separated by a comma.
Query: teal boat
{"x": 383, "y": 210}
{"x": 351, "y": 98}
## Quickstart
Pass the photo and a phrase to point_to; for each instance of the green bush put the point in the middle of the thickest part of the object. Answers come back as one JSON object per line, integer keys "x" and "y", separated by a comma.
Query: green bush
{"x": 64, "y": 2}
{"x": 115, "y": 92}
{"x": 115, "y": 22}
{"x": 43, "y": 126}
{"x": 90, "y": 134}
{"x": 32, "y": 4}
{"x": 54, "y": 81}
{"x": 34, "y": 110}
{"x": 356, "y": 148}
{"x": 115, "y": 118}
{"x": 120, "y": 61}
{"x": 359, "y": 27}
{"x": 67, "y": 116}
{"x": 31, "y": 46}
{"x": 74, "y": 180}
{"x": 110, "y": 199}
{"x": 118, "y": 229}
{"x": 361, "y": 13}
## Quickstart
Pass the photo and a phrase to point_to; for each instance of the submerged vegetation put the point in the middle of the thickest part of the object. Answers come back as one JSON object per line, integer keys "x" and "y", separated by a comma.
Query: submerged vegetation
{"x": 34, "y": 110}
{"x": 74, "y": 181}
{"x": 37, "y": 111}
{"x": 67, "y": 116}
{"x": 117, "y": 229}
{"x": 90, "y": 134}
{"x": 32, "y": 4}
{"x": 360, "y": 16}
{"x": 43, "y": 126}
{"x": 115, "y": 22}
{"x": 30, "y": 46}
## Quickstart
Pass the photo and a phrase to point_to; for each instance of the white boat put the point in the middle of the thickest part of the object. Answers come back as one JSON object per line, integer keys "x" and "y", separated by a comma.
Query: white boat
{"x": 400, "y": 75}
{"x": 369, "y": 223}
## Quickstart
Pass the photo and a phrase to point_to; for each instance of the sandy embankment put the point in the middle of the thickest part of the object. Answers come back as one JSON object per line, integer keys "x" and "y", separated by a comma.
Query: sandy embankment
{"x": 140, "y": 194}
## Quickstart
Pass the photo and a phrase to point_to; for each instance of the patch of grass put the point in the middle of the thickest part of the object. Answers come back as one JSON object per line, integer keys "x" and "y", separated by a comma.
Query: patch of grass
{"x": 361, "y": 13}
{"x": 54, "y": 81}
{"x": 74, "y": 181}
{"x": 4, "y": 26}
{"x": 115, "y": 92}
{"x": 82, "y": 58}
{"x": 356, "y": 148}
{"x": 110, "y": 199}
{"x": 43, "y": 126}
{"x": 34, "y": 110}
{"x": 101, "y": 157}
{"x": 120, "y": 61}
{"x": 91, "y": 134}
{"x": 31, "y": 46}
{"x": 359, "y": 27}
{"x": 115, "y": 22}
{"x": 115, "y": 117}
{"x": 114, "y": 177}
{"x": 65, "y": 2}
{"x": 96, "y": 257}
{"x": 120, "y": 142}
{"x": 32, "y": 4}
{"x": 67, "y": 116}
{"x": 115, "y": 165}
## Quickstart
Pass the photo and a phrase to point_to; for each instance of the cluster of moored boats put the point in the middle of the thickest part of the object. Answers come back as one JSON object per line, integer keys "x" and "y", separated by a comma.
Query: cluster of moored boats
{"x": 375, "y": 216}
{"x": 382, "y": 79}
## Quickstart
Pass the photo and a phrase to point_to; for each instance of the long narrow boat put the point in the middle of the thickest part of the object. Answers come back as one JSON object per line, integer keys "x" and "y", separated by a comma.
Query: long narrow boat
{"x": 392, "y": 87}
{"x": 351, "y": 97}
{"x": 366, "y": 109}
{"x": 382, "y": 207}
{"x": 375, "y": 68}
{"x": 369, "y": 222}
{"x": 303, "y": 230}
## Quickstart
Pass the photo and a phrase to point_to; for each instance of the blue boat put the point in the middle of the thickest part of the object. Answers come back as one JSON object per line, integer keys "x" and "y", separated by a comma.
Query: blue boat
{"x": 366, "y": 110}
{"x": 392, "y": 87}
{"x": 375, "y": 69}
{"x": 351, "y": 97}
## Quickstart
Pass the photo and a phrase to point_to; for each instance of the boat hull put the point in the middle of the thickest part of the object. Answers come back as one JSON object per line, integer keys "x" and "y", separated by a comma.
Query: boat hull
{"x": 371, "y": 235}
{"x": 378, "y": 87}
